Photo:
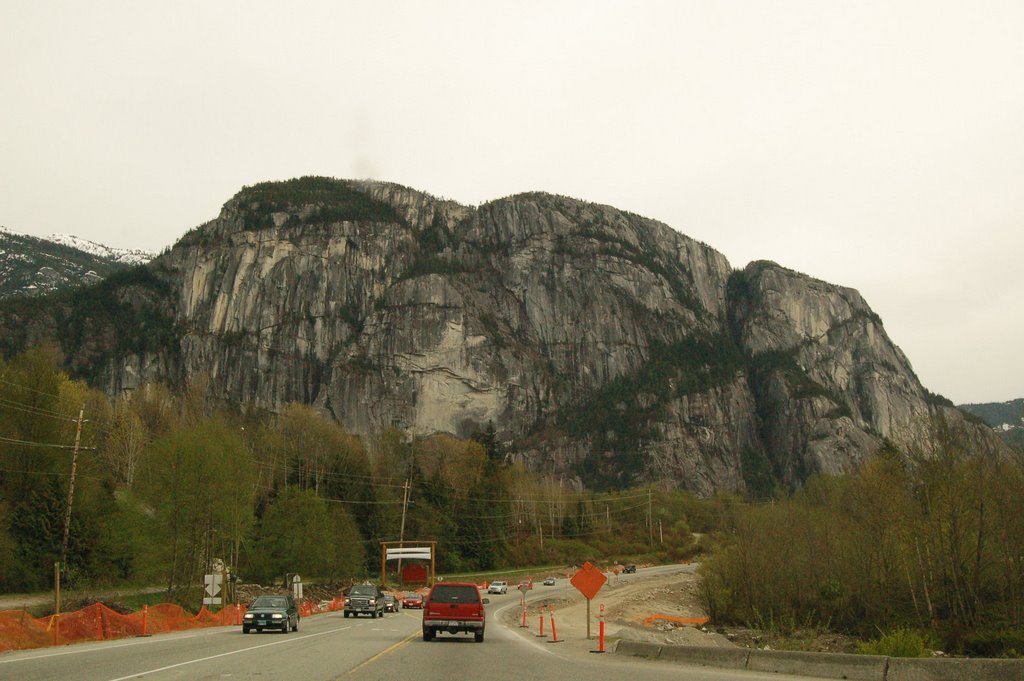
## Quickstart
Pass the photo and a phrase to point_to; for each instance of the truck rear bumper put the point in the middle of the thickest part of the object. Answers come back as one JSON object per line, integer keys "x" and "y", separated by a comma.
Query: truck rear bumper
{"x": 454, "y": 626}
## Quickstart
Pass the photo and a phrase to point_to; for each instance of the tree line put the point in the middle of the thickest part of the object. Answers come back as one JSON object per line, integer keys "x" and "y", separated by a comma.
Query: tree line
{"x": 169, "y": 484}
{"x": 933, "y": 545}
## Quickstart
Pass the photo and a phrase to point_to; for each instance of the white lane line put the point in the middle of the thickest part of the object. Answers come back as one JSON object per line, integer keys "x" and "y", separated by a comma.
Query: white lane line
{"x": 99, "y": 649}
{"x": 496, "y": 618}
{"x": 291, "y": 639}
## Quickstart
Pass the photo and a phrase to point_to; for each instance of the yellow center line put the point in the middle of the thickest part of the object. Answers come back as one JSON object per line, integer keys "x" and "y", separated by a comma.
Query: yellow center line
{"x": 389, "y": 649}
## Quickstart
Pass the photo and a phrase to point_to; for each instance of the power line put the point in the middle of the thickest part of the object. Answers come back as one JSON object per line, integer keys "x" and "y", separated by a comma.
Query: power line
{"x": 63, "y": 398}
{"x": 43, "y": 444}
{"x": 58, "y": 473}
{"x": 32, "y": 409}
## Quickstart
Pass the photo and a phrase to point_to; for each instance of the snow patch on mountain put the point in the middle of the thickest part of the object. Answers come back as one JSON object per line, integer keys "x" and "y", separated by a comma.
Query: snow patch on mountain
{"x": 123, "y": 255}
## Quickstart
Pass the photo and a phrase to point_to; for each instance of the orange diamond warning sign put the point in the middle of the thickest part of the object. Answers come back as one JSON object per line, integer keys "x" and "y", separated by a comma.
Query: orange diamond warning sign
{"x": 588, "y": 580}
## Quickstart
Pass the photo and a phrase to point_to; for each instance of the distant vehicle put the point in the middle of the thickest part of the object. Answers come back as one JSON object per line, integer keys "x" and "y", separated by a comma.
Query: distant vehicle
{"x": 390, "y": 603}
{"x": 629, "y": 569}
{"x": 364, "y": 598}
{"x": 454, "y": 607}
{"x": 271, "y": 612}
{"x": 498, "y": 587}
{"x": 550, "y": 581}
{"x": 412, "y": 601}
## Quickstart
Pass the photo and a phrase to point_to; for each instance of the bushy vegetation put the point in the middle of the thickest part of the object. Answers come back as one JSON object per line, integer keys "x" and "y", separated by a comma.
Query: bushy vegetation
{"x": 334, "y": 200}
{"x": 168, "y": 484}
{"x": 932, "y": 546}
{"x": 902, "y": 642}
{"x": 136, "y": 303}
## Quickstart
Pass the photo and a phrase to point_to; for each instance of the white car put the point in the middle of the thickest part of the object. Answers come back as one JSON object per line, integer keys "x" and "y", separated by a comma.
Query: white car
{"x": 498, "y": 587}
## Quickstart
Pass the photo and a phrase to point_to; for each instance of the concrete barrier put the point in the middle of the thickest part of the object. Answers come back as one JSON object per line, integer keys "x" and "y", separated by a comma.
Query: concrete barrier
{"x": 956, "y": 669}
{"x": 707, "y": 656}
{"x": 829, "y": 665}
{"x": 824, "y": 665}
{"x": 651, "y": 651}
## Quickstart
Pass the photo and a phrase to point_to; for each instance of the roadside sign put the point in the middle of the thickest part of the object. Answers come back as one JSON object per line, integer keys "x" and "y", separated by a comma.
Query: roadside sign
{"x": 588, "y": 580}
{"x": 212, "y": 583}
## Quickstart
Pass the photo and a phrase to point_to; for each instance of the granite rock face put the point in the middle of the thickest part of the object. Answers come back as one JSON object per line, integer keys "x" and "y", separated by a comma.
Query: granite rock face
{"x": 603, "y": 346}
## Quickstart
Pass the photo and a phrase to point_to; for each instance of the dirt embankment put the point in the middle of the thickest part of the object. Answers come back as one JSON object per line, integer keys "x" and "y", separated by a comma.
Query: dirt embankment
{"x": 662, "y": 605}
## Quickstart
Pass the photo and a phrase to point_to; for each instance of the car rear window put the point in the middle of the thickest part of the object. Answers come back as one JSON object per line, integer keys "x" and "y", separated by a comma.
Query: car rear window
{"x": 455, "y": 594}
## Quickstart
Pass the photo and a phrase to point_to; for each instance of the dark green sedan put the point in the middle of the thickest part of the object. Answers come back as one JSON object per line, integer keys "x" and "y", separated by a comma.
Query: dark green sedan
{"x": 271, "y": 612}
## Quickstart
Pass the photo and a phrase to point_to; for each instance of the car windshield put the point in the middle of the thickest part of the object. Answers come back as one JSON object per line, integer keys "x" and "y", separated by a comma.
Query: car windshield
{"x": 269, "y": 602}
{"x": 362, "y": 591}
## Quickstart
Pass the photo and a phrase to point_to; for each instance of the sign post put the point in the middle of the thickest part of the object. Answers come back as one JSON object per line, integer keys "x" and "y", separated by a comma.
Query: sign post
{"x": 588, "y": 580}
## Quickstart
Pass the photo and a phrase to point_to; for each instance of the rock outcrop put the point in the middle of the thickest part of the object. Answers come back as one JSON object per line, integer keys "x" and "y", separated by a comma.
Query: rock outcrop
{"x": 603, "y": 346}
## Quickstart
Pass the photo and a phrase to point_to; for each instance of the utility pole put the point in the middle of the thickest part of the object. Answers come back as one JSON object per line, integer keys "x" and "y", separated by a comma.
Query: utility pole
{"x": 401, "y": 533}
{"x": 650, "y": 518}
{"x": 71, "y": 493}
{"x": 404, "y": 505}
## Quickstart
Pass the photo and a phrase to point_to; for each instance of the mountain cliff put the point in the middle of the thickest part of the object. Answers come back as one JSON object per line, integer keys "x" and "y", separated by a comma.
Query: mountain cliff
{"x": 601, "y": 345}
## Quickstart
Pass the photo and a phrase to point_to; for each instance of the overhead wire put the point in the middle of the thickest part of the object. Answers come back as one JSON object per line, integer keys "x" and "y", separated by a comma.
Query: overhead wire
{"x": 33, "y": 409}
{"x": 27, "y": 443}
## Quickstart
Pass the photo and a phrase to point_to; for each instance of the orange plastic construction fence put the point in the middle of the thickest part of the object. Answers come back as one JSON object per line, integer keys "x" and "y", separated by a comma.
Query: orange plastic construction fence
{"x": 20, "y": 630}
{"x": 97, "y": 622}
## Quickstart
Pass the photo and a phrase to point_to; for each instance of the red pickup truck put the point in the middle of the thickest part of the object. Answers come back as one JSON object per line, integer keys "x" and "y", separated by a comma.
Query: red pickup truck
{"x": 454, "y": 607}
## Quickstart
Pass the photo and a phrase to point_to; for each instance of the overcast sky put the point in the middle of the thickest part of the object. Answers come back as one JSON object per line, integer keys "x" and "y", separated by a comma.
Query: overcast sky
{"x": 877, "y": 145}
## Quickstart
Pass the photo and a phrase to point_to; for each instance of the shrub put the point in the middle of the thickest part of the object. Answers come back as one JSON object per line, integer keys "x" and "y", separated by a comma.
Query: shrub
{"x": 902, "y": 642}
{"x": 989, "y": 643}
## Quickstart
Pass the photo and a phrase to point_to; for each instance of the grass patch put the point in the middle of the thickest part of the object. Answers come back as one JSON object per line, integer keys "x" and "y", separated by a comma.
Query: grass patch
{"x": 900, "y": 642}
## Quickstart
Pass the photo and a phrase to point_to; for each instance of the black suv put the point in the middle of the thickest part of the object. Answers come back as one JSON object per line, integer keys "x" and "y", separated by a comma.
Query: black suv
{"x": 271, "y": 612}
{"x": 364, "y": 598}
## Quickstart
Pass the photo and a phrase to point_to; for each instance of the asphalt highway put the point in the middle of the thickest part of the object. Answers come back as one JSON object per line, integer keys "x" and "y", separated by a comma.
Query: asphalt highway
{"x": 329, "y": 647}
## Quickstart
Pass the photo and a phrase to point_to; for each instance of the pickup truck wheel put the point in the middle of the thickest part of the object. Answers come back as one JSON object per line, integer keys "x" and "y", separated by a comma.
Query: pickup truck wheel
{"x": 428, "y": 634}
{"x": 478, "y": 636}
{"x": 347, "y": 613}
{"x": 245, "y": 630}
